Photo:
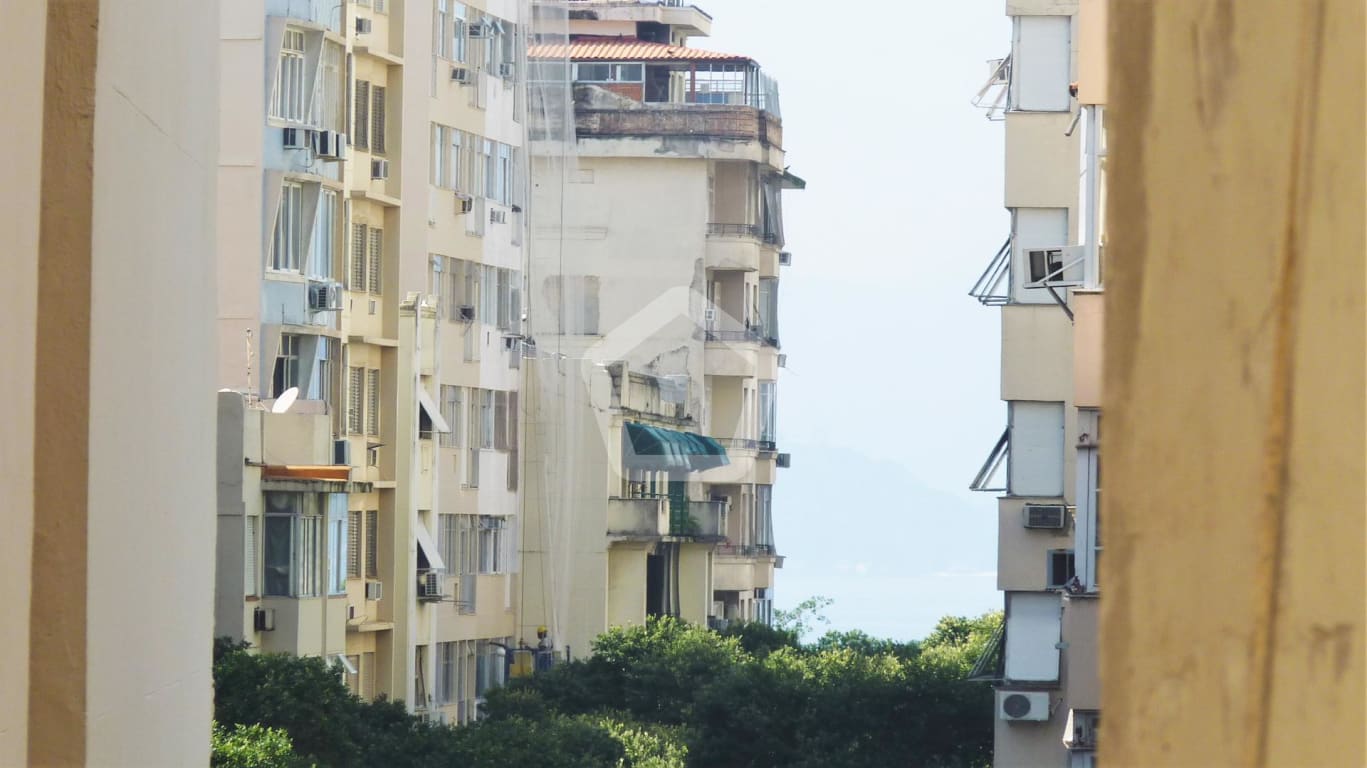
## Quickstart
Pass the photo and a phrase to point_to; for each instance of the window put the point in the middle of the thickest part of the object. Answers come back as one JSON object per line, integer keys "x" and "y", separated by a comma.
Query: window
{"x": 490, "y": 669}
{"x": 353, "y": 546}
{"x": 377, "y": 98}
{"x": 501, "y": 420}
{"x": 289, "y": 221}
{"x": 447, "y": 655}
{"x": 324, "y": 373}
{"x": 355, "y": 400}
{"x": 503, "y": 175}
{"x": 1040, "y": 63}
{"x": 764, "y": 516}
{"x": 324, "y": 236}
{"x": 289, "y": 100}
{"x": 491, "y": 543}
{"x": 372, "y": 544}
{"x": 1061, "y": 568}
{"x": 372, "y": 413}
{"x": 768, "y": 411}
{"x": 286, "y": 373}
{"x": 337, "y": 543}
{"x": 1035, "y": 230}
{"x": 446, "y": 160}
{"x": 486, "y": 418}
{"x": 420, "y": 698}
{"x": 360, "y": 132}
{"x": 332, "y": 104}
{"x": 448, "y": 540}
{"x": 451, "y": 408}
{"x": 505, "y": 299}
{"x": 251, "y": 560}
{"x": 353, "y": 679}
{"x": 608, "y": 73}
{"x": 380, "y": 6}
{"x": 1035, "y": 462}
{"x": 458, "y": 41}
{"x": 440, "y": 39}
{"x": 490, "y": 171}
{"x": 292, "y": 546}
{"x": 376, "y": 258}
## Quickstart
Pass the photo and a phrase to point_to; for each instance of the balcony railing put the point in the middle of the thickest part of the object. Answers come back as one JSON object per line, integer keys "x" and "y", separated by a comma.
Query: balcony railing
{"x": 746, "y": 550}
{"x": 704, "y": 519}
{"x": 751, "y": 335}
{"x": 755, "y": 231}
{"x": 642, "y": 517}
{"x": 747, "y": 443}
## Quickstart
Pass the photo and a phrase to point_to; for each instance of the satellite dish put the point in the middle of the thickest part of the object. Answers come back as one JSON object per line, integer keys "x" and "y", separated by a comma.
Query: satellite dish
{"x": 285, "y": 400}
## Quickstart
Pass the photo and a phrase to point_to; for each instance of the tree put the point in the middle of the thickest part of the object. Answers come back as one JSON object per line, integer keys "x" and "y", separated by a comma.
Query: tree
{"x": 804, "y": 616}
{"x": 252, "y": 746}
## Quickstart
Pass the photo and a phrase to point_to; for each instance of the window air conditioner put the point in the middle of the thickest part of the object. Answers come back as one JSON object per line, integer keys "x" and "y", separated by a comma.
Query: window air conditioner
{"x": 464, "y": 203}
{"x": 506, "y": 69}
{"x": 466, "y": 312}
{"x": 374, "y": 590}
{"x": 429, "y": 587}
{"x": 297, "y": 138}
{"x": 341, "y": 453}
{"x": 461, "y": 75}
{"x": 1054, "y": 266}
{"x": 785, "y": 259}
{"x": 330, "y": 144}
{"x": 479, "y": 31}
{"x": 1052, "y": 516}
{"x": 263, "y": 619}
{"x": 498, "y": 216}
{"x": 362, "y": 25}
{"x": 784, "y": 460}
{"x": 1023, "y": 705}
{"x": 379, "y": 169}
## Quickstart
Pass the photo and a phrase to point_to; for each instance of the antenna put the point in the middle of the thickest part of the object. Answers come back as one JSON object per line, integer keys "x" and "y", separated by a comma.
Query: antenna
{"x": 285, "y": 400}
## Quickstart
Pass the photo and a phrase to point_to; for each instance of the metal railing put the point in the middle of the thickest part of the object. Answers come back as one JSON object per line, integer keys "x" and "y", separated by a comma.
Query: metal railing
{"x": 755, "y": 231}
{"x": 994, "y": 286}
{"x": 745, "y": 334}
{"x": 747, "y": 444}
{"x": 745, "y": 550}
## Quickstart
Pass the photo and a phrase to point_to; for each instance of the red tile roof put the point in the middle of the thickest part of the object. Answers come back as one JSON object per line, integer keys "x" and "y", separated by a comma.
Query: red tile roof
{"x": 625, "y": 49}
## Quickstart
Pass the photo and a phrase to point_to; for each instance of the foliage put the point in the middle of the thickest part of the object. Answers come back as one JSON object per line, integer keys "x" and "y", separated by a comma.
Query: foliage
{"x": 804, "y": 617}
{"x": 760, "y": 640}
{"x": 252, "y": 746}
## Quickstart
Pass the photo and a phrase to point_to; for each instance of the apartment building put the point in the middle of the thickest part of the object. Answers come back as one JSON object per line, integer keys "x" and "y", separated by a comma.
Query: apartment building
{"x": 1049, "y": 93}
{"x": 651, "y": 400}
{"x": 370, "y": 259}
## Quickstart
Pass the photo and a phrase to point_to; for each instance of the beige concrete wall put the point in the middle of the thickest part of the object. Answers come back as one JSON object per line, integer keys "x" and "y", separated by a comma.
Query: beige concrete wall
{"x": 1041, "y": 161}
{"x": 1037, "y": 353}
{"x": 1088, "y": 335}
{"x": 1080, "y": 652}
{"x": 1238, "y": 389}
{"x": 1092, "y": 72}
{"x": 695, "y": 582}
{"x": 626, "y": 585}
{"x": 1022, "y": 552}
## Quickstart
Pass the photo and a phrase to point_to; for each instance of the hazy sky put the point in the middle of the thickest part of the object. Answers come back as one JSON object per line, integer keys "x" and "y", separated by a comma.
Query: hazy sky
{"x": 890, "y": 402}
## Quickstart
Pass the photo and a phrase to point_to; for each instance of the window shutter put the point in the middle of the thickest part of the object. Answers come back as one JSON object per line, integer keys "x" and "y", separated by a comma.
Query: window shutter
{"x": 355, "y": 400}
{"x": 372, "y": 415}
{"x": 501, "y": 421}
{"x": 249, "y": 557}
{"x": 353, "y": 546}
{"x": 377, "y": 119}
{"x": 376, "y": 256}
{"x": 359, "y": 242}
{"x": 372, "y": 544}
{"x": 361, "y": 131}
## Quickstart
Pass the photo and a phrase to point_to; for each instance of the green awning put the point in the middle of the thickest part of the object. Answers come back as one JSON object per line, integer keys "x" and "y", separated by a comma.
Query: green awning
{"x": 657, "y": 448}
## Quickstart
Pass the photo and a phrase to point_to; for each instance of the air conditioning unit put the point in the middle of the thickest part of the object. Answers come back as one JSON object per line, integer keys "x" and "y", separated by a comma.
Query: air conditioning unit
{"x": 785, "y": 259}
{"x": 1085, "y": 723}
{"x": 783, "y": 460}
{"x": 263, "y": 619}
{"x": 374, "y": 590}
{"x": 478, "y": 31}
{"x": 782, "y": 360}
{"x": 498, "y": 216}
{"x": 362, "y": 25}
{"x": 466, "y": 313}
{"x": 296, "y": 138}
{"x": 324, "y": 296}
{"x": 464, "y": 203}
{"x": 330, "y": 144}
{"x": 506, "y": 69}
{"x": 341, "y": 453}
{"x": 462, "y": 75}
{"x": 429, "y": 587}
{"x": 1023, "y": 705}
{"x": 1061, "y": 266}
{"x": 379, "y": 168}
{"x": 1053, "y": 516}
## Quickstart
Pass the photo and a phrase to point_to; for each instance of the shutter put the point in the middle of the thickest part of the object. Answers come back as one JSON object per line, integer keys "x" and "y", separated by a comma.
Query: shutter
{"x": 353, "y": 546}
{"x": 360, "y": 134}
{"x": 372, "y": 544}
{"x": 376, "y": 257}
{"x": 372, "y": 420}
{"x": 355, "y": 400}
{"x": 501, "y": 421}
{"x": 358, "y": 252}
{"x": 249, "y": 557}
{"x": 377, "y": 119}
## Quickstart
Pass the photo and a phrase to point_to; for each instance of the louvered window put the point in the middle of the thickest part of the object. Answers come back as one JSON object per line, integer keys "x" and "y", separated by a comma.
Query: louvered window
{"x": 359, "y": 242}
{"x": 353, "y": 546}
{"x": 361, "y": 131}
{"x": 376, "y": 258}
{"x": 250, "y": 559}
{"x": 355, "y": 400}
{"x": 377, "y": 99}
{"x": 372, "y": 413}
{"x": 372, "y": 544}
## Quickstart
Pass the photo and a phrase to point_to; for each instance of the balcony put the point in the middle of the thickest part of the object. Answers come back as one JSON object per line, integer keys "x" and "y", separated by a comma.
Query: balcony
{"x": 638, "y": 518}
{"x": 740, "y": 248}
{"x": 699, "y": 519}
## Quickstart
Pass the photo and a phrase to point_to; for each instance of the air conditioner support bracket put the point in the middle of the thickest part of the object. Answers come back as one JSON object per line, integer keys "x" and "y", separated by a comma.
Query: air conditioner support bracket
{"x": 1063, "y": 304}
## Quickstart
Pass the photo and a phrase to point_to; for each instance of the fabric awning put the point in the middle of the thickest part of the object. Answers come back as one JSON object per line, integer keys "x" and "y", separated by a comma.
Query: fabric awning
{"x": 658, "y": 448}
{"x": 429, "y": 405}
{"x": 429, "y": 547}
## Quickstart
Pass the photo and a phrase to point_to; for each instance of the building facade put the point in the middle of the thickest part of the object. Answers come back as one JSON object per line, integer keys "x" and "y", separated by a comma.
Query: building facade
{"x": 653, "y": 304}
{"x": 370, "y": 253}
{"x": 1046, "y": 279}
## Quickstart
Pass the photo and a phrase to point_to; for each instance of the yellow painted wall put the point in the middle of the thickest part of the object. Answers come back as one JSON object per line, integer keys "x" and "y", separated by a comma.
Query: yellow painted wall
{"x": 1235, "y": 386}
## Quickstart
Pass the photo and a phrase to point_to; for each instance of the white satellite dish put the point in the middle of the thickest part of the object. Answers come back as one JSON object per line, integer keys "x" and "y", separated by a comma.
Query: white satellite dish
{"x": 285, "y": 400}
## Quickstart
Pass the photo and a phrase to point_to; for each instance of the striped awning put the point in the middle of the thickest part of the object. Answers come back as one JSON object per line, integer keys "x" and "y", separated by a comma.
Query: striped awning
{"x": 658, "y": 448}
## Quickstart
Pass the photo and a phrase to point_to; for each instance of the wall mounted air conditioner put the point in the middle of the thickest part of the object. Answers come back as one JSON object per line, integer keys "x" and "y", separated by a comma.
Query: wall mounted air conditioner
{"x": 464, "y": 203}
{"x": 296, "y": 138}
{"x": 1053, "y": 516}
{"x": 263, "y": 619}
{"x": 341, "y": 453}
{"x": 783, "y": 460}
{"x": 325, "y": 295}
{"x": 466, "y": 312}
{"x": 462, "y": 75}
{"x": 374, "y": 590}
{"x": 785, "y": 259}
{"x": 362, "y": 25}
{"x": 429, "y": 587}
{"x": 498, "y": 216}
{"x": 379, "y": 168}
{"x": 329, "y": 144}
{"x": 506, "y": 69}
{"x": 1059, "y": 266}
{"x": 1023, "y": 705}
